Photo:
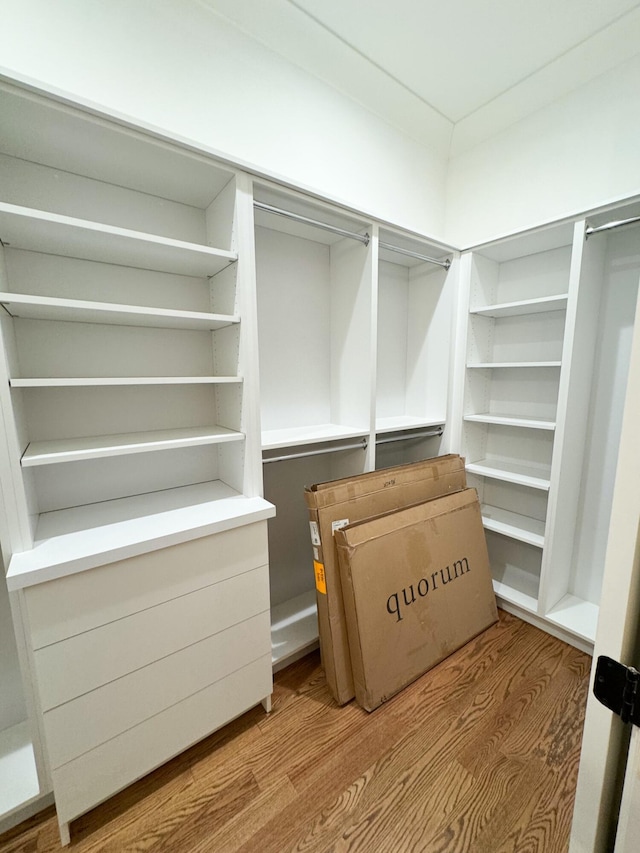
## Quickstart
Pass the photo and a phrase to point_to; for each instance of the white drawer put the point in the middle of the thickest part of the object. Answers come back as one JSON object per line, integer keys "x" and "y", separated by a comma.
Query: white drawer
{"x": 61, "y": 608}
{"x": 83, "y": 662}
{"x": 90, "y": 720}
{"x": 96, "y": 775}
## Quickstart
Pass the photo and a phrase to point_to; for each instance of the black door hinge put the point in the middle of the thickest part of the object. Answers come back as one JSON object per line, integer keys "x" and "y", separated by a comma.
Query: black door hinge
{"x": 618, "y": 688}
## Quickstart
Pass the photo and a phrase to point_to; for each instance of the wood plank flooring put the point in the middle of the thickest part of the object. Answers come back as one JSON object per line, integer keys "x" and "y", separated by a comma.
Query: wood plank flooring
{"x": 480, "y": 755}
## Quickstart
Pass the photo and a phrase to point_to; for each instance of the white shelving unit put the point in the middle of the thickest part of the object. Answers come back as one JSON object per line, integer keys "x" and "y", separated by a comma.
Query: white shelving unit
{"x": 517, "y": 308}
{"x": 128, "y": 374}
{"x": 315, "y": 303}
{"x": 548, "y": 332}
{"x": 358, "y": 380}
{"x": 415, "y": 309}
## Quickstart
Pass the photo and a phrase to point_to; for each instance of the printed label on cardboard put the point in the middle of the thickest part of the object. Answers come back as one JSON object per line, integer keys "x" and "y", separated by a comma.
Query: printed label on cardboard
{"x": 338, "y": 525}
{"x": 315, "y": 533}
{"x": 316, "y": 554}
{"x": 321, "y": 583}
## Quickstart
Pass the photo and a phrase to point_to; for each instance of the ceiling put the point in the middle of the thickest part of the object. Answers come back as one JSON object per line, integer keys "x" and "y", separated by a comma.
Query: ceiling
{"x": 461, "y": 62}
{"x": 458, "y": 55}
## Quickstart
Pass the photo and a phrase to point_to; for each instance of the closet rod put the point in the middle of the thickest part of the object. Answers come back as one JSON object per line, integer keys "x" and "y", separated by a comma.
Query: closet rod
{"x": 360, "y": 445}
{"x": 446, "y": 263}
{"x": 427, "y": 434}
{"x": 609, "y": 226}
{"x": 277, "y": 211}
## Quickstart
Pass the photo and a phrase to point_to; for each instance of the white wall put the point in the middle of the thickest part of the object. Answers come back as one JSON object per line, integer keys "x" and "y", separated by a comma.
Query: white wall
{"x": 177, "y": 65}
{"x": 575, "y": 154}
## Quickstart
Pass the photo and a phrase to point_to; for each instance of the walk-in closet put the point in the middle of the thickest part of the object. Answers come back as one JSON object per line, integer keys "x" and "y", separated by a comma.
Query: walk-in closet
{"x": 226, "y": 277}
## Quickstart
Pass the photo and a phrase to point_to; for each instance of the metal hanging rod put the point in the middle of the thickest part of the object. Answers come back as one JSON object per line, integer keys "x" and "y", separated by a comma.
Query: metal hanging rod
{"x": 277, "y": 211}
{"x": 446, "y": 263}
{"x": 609, "y": 226}
{"x": 424, "y": 434}
{"x": 359, "y": 445}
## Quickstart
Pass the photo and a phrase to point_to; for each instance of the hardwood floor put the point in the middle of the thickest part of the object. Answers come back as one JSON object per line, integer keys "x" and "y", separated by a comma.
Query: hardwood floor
{"x": 480, "y": 755}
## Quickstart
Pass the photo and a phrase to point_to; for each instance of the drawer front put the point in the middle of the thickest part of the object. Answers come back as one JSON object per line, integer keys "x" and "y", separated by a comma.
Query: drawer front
{"x": 78, "y": 603}
{"x": 94, "y": 718}
{"x": 94, "y": 776}
{"x": 84, "y": 662}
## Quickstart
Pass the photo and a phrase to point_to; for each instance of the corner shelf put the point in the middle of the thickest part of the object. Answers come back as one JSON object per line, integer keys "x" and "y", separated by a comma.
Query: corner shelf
{"x": 514, "y": 596}
{"x": 523, "y": 306}
{"x": 509, "y": 472}
{"x": 80, "y": 311}
{"x": 576, "y": 615}
{"x": 513, "y": 525}
{"x": 55, "y": 234}
{"x": 96, "y": 447}
{"x": 511, "y": 420}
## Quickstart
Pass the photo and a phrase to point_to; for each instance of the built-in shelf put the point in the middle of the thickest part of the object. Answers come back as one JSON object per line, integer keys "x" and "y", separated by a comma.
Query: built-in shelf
{"x": 81, "y": 311}
{"x": 511, "y": 472}
{"x": 294, "y": 629}
{"x": 84, "y": 537}
{"x": 17, "y": 769}
{"x": 498, "y": 365}
{"x": 576, "y": 615}
{"x": 405, "y": 422}
{"x": 513, "y": 525}
{"x": 91, "y": 381}
{"x": 314, "y": 434}
{"x": 97, "y": 447}
{"x": 522, "y": 598}
{"x": 55, "y": 234}
{"x": 523, "y": 306}
{"x": 510, "y": 420}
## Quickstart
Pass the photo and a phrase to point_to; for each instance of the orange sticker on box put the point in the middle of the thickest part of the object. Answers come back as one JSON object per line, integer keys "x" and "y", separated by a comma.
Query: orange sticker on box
{"x": 321, "y": 583}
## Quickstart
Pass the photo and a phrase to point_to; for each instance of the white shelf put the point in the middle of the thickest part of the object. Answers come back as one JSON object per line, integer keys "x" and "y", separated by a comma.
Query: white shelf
{"x": 294, "y": 629}
{"x": 406, "y": 422}
{"x": 511, "y": 472}
{"x": 513, "y": 525}
{"x": 55, "y": 234}
{"x": 18, "y": 774}
{"x": 512, "y": 595}
{"x": 499, "y": 365}
{"x": 578, "y": 616}
{"x": 92, "y": 381}
{"x": 523, "y": 306}
{"x": 82, "y": 311}
{"x": 510, "y": 420}
{"x": 97, "y": 447}
{"x": 314, "y": 434}
{"x": 81, "y": 538}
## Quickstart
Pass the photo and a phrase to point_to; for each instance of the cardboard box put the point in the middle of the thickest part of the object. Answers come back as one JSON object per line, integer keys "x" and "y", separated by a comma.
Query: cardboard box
{"x": 417, "y": 586}
{"x": 336, "y": 503}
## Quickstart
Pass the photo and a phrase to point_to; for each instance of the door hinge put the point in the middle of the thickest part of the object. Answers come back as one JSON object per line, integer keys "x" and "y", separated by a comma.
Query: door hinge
{"x": 617, "y": 687}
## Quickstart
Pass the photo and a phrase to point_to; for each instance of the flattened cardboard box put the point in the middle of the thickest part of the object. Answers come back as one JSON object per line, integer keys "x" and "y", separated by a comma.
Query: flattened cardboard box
{"x": 339, "y": 502}
{"x": 417, "y": 586}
